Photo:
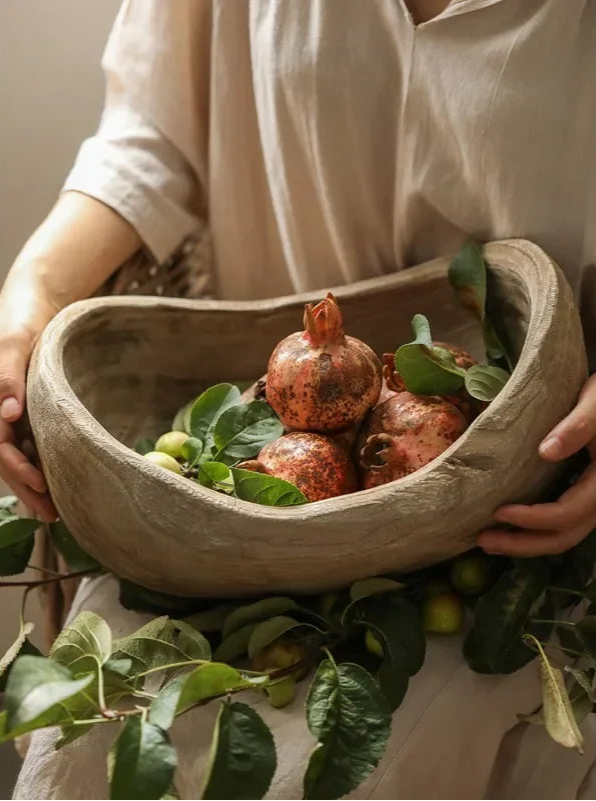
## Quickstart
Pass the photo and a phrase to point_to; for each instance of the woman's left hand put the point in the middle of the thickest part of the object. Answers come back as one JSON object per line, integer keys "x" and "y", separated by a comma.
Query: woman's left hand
{"x": 552, "y": 528}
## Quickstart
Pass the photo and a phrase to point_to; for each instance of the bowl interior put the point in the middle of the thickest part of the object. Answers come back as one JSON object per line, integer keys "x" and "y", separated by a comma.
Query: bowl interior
{"x": 134, "y": 366}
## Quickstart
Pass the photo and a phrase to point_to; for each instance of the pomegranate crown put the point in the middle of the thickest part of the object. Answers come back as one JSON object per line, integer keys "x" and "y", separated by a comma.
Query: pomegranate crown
{"x": 323, "y": 323}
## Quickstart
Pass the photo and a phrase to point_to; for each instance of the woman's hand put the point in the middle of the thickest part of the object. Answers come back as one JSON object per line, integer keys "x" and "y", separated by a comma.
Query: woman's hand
{"x": 552, "y": 528}
{"x": 78, "y": 246}
{"x": 25, "y": 480}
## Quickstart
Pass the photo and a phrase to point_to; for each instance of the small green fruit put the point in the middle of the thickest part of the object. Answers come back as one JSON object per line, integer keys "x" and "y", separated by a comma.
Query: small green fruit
{"x": 443, "y": 614}
{"x": 373, "y": 646}
{"x": 282, "y": 692}
{"x": 163, "y": 460}
{"x": 470, "y": 573}
{"x": 171, "y": 443}
{"x": 278, "y": 656}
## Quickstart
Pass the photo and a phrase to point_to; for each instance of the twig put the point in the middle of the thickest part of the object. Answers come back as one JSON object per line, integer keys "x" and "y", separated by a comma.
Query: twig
{"x": 39, "y": 582}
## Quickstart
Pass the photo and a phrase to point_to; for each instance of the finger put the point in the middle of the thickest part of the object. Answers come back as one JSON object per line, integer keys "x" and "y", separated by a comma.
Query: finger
{"x": 13, "y": 367}
{"x": 576, "y": 430}
{"x": 15, "y": 463}
{"x": 575, "y": 507}
{"x": 525, "y": 543}
{"x": 40, "y": 505}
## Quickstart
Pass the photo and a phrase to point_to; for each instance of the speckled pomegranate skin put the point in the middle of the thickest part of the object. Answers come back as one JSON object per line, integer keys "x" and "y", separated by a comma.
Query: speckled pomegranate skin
{"x": 326, "y": 389}
{"x": 405, "y": 433}
{"x": 317, "y": 465}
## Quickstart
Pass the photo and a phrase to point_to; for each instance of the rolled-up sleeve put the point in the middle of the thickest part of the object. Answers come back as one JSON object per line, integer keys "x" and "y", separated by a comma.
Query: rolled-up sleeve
{"x": 147, "y": 160}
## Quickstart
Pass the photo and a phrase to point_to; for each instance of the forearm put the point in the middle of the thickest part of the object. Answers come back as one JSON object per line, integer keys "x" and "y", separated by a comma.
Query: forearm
{"x": 77, "y": 247}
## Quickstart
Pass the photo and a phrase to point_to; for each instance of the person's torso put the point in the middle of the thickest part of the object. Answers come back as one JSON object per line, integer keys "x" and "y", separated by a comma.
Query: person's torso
{"x": 347, "y": 142}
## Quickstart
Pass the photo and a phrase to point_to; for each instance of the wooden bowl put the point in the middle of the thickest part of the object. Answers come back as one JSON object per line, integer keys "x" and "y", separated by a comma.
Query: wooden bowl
{"x": 108, "y": 371}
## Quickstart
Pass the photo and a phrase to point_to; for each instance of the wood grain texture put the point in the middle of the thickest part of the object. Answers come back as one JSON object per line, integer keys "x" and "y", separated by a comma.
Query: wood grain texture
{"x": 107, "y": 371}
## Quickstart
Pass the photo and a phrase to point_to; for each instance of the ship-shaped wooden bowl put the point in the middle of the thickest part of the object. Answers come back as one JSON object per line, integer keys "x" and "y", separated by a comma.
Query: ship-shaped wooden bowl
{"x": 109, "y": 371}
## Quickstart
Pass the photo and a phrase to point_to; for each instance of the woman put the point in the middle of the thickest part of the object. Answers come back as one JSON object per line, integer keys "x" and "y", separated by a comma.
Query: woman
{"x": 326, "y": 141}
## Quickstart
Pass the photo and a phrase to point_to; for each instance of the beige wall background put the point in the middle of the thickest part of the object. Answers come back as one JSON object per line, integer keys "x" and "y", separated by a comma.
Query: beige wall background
{"x": 51, "y": 90}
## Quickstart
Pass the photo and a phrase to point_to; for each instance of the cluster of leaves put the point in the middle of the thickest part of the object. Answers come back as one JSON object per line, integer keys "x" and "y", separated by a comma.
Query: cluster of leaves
{"x": 429, "y": 369}
{"x": 224, "y": 432}
{"x": 143, "y": 682}
{"x": 209, "y": 652}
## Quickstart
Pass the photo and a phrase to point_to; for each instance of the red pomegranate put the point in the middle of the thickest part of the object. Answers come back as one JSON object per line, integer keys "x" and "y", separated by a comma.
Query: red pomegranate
{"x": 314, "y": 463}
{"x": 405, "y": 433}
{"x": 468, "y": 406}
{"x": 320, "y": 379}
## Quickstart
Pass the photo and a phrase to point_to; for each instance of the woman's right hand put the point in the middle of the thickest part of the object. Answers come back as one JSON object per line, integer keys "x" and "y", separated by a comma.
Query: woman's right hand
{"x": 23, "y": 478}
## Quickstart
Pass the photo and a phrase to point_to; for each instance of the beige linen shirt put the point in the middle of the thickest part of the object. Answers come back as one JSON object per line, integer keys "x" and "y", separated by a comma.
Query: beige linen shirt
{"x": 325, "y": 141}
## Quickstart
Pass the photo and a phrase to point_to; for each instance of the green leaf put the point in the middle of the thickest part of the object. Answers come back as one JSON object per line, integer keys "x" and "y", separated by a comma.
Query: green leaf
{"x": 35, "y": 691}
{"x": 144, "y": 445}
{"x": 163, "y": 708}
{"x": 211, "y": 680}
{"x": 502, "y": 616}
{"x": 373, "y": 586}
{"x": 243, "y": 430}
{"x": 484, "y": 382}
{"x": 17, "y": 537}
{"x": 83, "y": 646}
{"x": 351, "y": 720}
{"x": 192, "y": 450}
{"x": 586, "y": 632}
{"x": 133, "y": 596}
{"x": 144, "y": 763}
{"x": 268, "y": 631}
{"x": 76, "y": 558}
{"x": 162, "y": 642}
{"x": 266, "y": 490}
{"x": 234, "y": 645}
{"x": 12, "y": 653}
{"x": 570, "y": 643}
{"x": 427, "y": 369}
{"x": 556, "y": 707}
{"x": 212, "y": 473}
{"x": 590, "y": 593}
{"x": 495, "y": 350}
{"x": 467, "y": 274}
{"x": 243, "y": 760}
{"x": 27, "y": 649}
{"x": 585, "y": 680}
{"x": 397, "y": 624}
{"x": 255, "y": 612}
{"x": 207, "y": 410}
{"x": 191, "y": 642}
{"x": 209, "y": 620}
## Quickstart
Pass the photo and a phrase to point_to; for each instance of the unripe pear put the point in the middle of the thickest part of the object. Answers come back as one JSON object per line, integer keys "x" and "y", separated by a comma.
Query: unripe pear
{"x": 163, "y": 460}
{"x": 171, "y": 443}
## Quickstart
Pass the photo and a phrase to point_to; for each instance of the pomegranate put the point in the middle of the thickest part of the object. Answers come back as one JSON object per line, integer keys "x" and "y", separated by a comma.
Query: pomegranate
{"x": 320, "y": 379}
{"x": 468, "y": 406}
{"x": 317, "y": 465}
{"x": 405, "y": 433}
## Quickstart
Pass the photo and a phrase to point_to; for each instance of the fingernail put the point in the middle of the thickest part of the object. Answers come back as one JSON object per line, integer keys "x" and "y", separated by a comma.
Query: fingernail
{"x": 551, "y": 447}
{"x": 10, "y": 409}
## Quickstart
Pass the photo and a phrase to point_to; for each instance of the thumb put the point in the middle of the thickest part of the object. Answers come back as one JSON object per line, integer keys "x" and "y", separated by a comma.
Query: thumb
{"x": 14, "y": 357}
{"x": 576, "y": 430}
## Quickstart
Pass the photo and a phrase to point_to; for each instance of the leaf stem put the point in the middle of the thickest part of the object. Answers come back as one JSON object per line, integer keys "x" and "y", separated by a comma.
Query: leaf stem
{"x": 565, "y": 590}
{"x": 172, "y": 665}
{"x": 554, "y": 622}
{"x": 40, "y": 582}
